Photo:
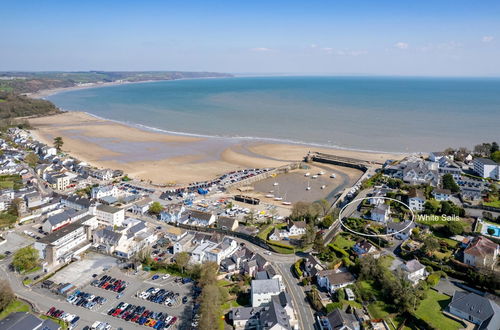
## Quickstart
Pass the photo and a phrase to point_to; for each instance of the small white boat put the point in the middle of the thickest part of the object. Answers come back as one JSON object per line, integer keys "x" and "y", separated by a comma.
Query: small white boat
{"x": 270, "y": 196}
{"x": 307, "y": 174}
{"x": 308, "y": 188}
{"x": 321, "y": 173}
{"x": 271, "y": 191}
{"x": 275, "y": 184}
{"x": 333, "y": 176}
{"x": 323, "y": 187}
{"x": 286, "y": 203}
{"x": 278, "y": 198}
{"x": 314, "y": 176}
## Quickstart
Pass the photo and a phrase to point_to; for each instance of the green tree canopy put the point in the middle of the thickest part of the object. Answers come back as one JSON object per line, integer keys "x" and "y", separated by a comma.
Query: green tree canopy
{"x": 182, "y": 260}
{"x": 32, "y": 159}
{"x": 155, "y": 208}
{"x": 449, "y": 183}
{"x": 58, "y": 143}
{"x": 26, "y": 259}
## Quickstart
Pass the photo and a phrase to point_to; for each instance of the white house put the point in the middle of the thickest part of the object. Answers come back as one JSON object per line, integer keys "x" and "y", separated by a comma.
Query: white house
{"x": 59, "y": 220}
{"x": 104, "y": 191}
{"x": 436, "y": 156}
{"x": 414, "y": 271}
{"x": 296, "y": 228}
{"x": 481, "y": 252}
{"x": 403, "y": 229}
{"x": 416, "y": 200}
{"x": 108, "y": 215}
{"x": 262, "y": 291}
{"x": 172, "y": 213}
{"x": 483, "y": 312}
{"x": 487, "y": 168}
{"x": 142, "y": 207}
{"x": 61, "y": 246}
{"x": 381, "y": 213}
{"x": 441, "y": 194}
{"x": 200, "y": 218}
{"x": 333, "y": 279}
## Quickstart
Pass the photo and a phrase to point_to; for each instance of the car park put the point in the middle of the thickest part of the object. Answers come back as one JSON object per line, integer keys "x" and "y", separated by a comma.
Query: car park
{"x": 84, "y": 299}
{"x": 109, "y": 283}
{"x": 141, "y": 316}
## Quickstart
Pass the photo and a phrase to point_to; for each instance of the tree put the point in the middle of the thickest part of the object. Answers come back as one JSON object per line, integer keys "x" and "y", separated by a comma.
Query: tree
{"x": 483, "y": 150}
{"x": 327, "y": 221}
{"x": 449, "y": 183}
{"x": 182, "y": 260}
{"x": 25, "y": 259}
{"x": 495, "y": 156}
{"x": 210, "y": 307}
{"x": 432, "y": 207}
{"x": 155, "y": 208}
{"x": 58, "y": 143}
{"x": 208, "y": 273}
{"x": 250, "y": 217}
{"x": 323, "y": 205}
{"x": 6, "y": 294}
{"x": 454, "y": 228}
{"x": 431, "y": 244}
{"x": 494, "y": 147}
{"x": 318, "y": 244}
{"x": 32, "y": 159}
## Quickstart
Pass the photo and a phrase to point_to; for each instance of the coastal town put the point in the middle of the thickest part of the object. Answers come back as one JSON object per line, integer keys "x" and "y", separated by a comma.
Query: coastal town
{"x": 321, "y": 242}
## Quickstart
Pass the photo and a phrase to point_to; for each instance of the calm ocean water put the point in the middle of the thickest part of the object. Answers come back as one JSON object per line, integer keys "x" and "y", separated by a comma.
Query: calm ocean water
{"x": 384, "y": 114}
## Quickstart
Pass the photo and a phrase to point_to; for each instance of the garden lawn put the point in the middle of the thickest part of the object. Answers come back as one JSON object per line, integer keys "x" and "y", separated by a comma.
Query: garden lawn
{"x": 343, "y": 242}
{"x": 430, "y": 310}
{"x": 15, "y": 306}
{"x": 493, "y": 204}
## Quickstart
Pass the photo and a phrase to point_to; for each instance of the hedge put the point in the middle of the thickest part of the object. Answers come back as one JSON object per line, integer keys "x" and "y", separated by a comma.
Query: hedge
{"x": 339, "y": 250}
{"x": 280, "y": 245}
{"x": 297, "y": 269}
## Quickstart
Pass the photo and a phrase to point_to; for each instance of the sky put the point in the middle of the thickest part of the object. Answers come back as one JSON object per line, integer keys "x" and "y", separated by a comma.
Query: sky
{"x": 402, "y": 37}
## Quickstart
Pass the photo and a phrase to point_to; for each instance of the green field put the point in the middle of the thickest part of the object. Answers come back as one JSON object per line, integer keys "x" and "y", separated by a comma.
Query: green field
{"x": 430, "y": 310}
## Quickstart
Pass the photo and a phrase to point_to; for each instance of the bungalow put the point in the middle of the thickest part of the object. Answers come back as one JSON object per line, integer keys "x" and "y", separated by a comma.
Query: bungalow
{"x": 414, "y": 271}
{"x": 175, "y": 234}
{"x": 481, "y": 252}
{"x": 476, "y": 309}
{"x": 441, "y": 194}
{"x": 402, "y": 229}
{"x": 381, "y": 213}
{"x": 227, "y": 223}
{"x": 416, "y": 200}
{"x": 333, "y": 279}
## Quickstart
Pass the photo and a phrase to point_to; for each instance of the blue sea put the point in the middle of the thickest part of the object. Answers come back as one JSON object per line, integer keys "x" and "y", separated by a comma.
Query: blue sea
{"x": 364, "y": 113}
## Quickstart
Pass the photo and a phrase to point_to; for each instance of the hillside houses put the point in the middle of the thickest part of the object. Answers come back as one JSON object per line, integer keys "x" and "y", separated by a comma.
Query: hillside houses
{"x": 333, "y": 279}
{"x": 416, "y": 200}
{"x": 415, "y": 171}
{"x": 293, "y": 229}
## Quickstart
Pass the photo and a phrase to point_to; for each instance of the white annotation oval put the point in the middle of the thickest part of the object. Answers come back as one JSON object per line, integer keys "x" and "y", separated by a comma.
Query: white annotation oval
{"x": 376, "y": 235}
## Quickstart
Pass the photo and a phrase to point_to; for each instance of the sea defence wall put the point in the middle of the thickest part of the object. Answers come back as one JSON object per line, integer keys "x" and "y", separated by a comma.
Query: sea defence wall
{"x": 337, "y": 160}
{"x": 278, "y": 170}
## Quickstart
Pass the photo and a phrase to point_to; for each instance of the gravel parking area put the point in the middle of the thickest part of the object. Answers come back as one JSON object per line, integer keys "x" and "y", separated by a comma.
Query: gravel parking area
{"x": 14, "y": 241}
{"x": 80, "y": 272}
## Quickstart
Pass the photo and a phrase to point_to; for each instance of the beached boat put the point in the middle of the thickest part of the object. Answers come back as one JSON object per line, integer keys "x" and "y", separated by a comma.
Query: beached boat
{"x": 321, "y": 173}
{"x": 286, "y": 203}
{"x": 307, "y": 174}
{"x": 333, "y": 176}
{"x": 275, "y": 184}
{"x": 323, "y": 187}
{"x": 308, "y": 186}
{"x": 278, "y": 198}
{"x": 314, "y": 176}
{"x": 270, "y": 196}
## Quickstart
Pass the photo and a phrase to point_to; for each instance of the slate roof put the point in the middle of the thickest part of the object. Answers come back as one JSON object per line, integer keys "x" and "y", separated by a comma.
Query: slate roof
{"x": 274, "y": 314}
{"x": 265, "y": 286}
{"x": 26, "y": 321}
{"x": 481, "y": 308}
{"x": 481, "y": 247}
{"x": 339, "y": 319}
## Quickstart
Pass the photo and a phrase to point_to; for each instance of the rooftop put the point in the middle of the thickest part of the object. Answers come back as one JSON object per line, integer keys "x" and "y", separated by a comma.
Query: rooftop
{"x": 265, "y": 286}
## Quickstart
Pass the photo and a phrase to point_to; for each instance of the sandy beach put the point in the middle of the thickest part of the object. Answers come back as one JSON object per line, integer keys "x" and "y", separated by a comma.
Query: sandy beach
{"x": 165, "y": 158}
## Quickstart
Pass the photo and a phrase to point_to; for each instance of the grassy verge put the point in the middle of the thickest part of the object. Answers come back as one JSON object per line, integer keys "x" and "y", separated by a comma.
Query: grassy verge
{"x": 61, "y": 323}
{"x": 430, "y": 310}
{"x": 15, "y": 306}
